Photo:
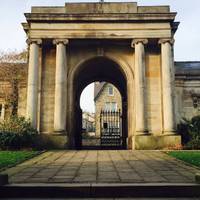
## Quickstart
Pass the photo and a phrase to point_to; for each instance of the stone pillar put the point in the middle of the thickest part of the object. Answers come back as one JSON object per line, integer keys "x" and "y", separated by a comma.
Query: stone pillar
{"x": 2, "y": 117}
{"x": 32, "y": 89}
{"x": 140, "y": 86}
{"x": 60, "y": 86}
{"x": 167, "y": 85}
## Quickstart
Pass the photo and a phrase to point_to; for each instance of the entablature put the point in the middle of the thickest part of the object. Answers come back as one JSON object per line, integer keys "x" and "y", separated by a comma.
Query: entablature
{"x": 116, "y": 17}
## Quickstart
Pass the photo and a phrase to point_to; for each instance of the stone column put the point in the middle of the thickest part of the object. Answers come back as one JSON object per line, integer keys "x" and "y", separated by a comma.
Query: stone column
{"x": 60, "y": 86}
{"x": 32, "y": 89}
{"x": 2, "y": 117}
{"x": 140, "y": 86}
{"x": 167, "y": 85}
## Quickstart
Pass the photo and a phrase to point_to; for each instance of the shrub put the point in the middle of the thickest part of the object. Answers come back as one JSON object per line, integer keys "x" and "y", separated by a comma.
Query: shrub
{"x": 190, "y": 132}
{"x": 17, "y": 133}
{"x": 183, "y": 130}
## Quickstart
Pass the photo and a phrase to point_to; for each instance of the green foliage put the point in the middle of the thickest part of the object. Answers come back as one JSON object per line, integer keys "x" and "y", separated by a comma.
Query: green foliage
{"x": 11, "y": 158}
{"x": 190, "y": 131}
{"x": 192, "y": 157}
{"x": 17, "y": 133}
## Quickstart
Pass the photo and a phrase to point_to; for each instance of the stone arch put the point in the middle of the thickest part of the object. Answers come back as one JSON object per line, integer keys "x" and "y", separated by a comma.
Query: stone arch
{"x": 77, "y": 82}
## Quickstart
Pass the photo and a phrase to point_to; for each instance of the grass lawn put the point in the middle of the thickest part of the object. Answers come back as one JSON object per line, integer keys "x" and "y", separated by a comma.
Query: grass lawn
{"x": 192, "y": 157}
{"x": 11, "y": 158}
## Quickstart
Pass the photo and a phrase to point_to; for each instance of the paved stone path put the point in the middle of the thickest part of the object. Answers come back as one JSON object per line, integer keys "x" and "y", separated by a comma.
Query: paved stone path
{"x": 102, "y": 167}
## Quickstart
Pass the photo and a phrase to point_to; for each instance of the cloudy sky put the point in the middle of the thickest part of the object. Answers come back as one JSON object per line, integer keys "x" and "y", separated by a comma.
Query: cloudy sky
{"x": 187, "y": 46}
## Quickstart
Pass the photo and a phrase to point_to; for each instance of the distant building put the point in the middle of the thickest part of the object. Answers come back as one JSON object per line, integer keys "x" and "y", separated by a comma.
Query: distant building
{"x": 187, "y": 90}
{"x": 106, "y": 98}
{"x": 88, "y": 122}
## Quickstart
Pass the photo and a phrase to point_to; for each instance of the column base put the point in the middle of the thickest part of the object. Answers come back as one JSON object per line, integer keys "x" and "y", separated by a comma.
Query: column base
{"x": 169, "y": 133}
{"x": 141, "y": 133}
{"x": 151, "y": 142}
{"x": 60, "y": 132}
{"x": 54, "y": 140}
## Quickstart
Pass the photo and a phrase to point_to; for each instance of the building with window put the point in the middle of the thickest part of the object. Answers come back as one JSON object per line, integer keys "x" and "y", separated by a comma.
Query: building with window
{"x": 107, "y": 98}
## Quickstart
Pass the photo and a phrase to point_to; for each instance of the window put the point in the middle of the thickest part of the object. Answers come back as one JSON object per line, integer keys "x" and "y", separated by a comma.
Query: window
{"x": 107, "y": 106}
{"x": 110, "y": 90}
{"x": 111, "y": 106}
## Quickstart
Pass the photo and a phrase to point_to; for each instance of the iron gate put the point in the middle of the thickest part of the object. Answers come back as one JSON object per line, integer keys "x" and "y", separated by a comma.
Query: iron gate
{"x": 111, "y": 128}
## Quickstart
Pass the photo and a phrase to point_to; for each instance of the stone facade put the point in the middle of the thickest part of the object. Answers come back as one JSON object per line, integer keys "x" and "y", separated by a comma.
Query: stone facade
{"x": 102, "y": 98}
{"x": 74, "y": 45}
{"x": 187, "y": 95}
{"x": 187, "y": 98}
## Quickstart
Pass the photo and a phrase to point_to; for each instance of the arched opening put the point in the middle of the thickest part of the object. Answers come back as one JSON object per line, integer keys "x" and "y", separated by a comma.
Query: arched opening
{"x": 88, "y": 107}
{"x": 101, "y": 106}
{"x": 98, "y": 69}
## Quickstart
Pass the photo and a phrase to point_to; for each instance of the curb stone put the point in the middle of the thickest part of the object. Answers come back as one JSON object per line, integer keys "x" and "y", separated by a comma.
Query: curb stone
{"x": 197, "y": 178}
{"x": 3, "y": 179}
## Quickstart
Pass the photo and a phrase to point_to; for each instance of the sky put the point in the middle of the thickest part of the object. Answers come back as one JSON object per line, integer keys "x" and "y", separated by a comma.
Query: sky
{"x": 187, "y": 45}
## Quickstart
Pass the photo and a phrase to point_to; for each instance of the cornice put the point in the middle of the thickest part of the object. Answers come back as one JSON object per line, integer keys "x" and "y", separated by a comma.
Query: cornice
{"x": 127, "y": 17}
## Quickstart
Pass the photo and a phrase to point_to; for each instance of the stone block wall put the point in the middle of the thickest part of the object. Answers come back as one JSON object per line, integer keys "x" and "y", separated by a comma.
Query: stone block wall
{"x": 76, "y": 55}
{"x": 186, "y": 90}
{"x": 187, "y": 82}
{"x": 47, "y": 90}
{"x": 153, "y": 92}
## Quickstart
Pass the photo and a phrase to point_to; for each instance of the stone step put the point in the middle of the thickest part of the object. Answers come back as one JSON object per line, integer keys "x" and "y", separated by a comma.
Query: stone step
{"x": 39, "y": 190}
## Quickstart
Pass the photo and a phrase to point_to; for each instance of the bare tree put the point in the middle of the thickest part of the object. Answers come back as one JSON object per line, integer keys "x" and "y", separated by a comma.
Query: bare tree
{"x": 12, "y": 71}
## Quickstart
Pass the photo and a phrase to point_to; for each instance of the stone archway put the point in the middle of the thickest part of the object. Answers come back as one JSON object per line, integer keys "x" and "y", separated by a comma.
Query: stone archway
{"x": 98, "y": 68}
{"x": 59, "y": 45}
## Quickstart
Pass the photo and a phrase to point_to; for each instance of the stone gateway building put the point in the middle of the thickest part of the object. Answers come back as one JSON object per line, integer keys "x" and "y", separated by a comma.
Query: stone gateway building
{"x": 125, "y": 44}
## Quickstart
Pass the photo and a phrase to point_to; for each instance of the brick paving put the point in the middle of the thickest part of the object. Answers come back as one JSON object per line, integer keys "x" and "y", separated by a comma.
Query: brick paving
{"x": 119, "y": 166}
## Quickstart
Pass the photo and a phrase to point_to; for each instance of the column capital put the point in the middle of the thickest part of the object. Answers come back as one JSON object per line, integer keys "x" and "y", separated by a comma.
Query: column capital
{"x": 166, "y": 40}
{"x": 36, "y": 41}
{"x": 140, "y": 40}
{"x": 63, "y": 41}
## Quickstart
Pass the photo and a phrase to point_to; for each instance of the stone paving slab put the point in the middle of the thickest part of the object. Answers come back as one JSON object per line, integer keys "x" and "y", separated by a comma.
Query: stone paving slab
{"x": 115, "y": 166}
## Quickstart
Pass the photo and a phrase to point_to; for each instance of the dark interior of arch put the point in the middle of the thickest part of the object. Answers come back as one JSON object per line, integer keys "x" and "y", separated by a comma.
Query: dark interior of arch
{"x": 98, "y": 69}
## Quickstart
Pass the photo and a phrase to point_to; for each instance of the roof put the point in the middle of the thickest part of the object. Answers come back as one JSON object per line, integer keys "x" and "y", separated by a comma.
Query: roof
{"x": 187, "y": 70}
{"x": 98, "y": 87}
